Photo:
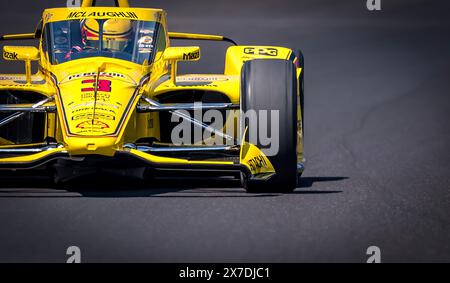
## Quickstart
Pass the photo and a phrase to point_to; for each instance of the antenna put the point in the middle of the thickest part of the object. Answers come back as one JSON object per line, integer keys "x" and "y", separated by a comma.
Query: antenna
{"x": 119, "y": 3}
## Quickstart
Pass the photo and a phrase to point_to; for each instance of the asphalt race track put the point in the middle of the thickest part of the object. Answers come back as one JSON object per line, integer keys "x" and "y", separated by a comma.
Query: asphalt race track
{"x": 377, "y": 149}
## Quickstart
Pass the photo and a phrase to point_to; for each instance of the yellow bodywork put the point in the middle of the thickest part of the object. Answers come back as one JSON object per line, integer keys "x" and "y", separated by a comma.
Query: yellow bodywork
{"x": 96, "y": 97}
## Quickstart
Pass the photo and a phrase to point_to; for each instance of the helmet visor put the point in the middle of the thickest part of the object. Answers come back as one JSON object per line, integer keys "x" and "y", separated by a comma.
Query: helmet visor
{"x": 92, "y": 44}
{"x": 115, "y": 45}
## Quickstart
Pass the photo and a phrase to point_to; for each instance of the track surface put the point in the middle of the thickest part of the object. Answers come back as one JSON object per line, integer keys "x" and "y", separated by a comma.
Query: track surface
{"x": 377, "y": 144}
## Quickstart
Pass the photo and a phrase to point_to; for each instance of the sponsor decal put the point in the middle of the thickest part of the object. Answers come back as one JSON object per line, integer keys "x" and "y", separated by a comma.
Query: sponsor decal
{"x": 201, "y": 79}
{"x": 87, "y": 110}
{"x": 105, "y": 110}
{"x": 91, "y": 131}
{"x": 100, "y": 97}
{"x": 103, "y": 85}
{"x": 191, "y": 55}
{"x": 91, "y": 116}
{"x": 10, "y": 78}
{"x": 102, "y": 74}
{"x": 145, "y": 50}
{"x": 146, "y": 31}
{"x": 84, "y": 14}
{"x": 15, "y": 86}
{"x": 257, "y": 163}
{"x": 145, "y": 44}
{"x": 92, "y": 103}
{"x": 42, "y": 82}
{"x": 122, "y": 119}
{"x": 22, "y": 80}
{"x": 82, "y": 109}
{"x": 95, "y": 124}
{"x": 146, "y": 39}
{"x": 108, "y": 105}
{"x": 193, "y": 84}
{"x": 10, "y": 55}
{"x": 261, "y": 51}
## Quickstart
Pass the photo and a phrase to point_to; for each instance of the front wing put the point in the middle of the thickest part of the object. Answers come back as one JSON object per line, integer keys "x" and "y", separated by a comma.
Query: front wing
{"x": 250, "y": 161}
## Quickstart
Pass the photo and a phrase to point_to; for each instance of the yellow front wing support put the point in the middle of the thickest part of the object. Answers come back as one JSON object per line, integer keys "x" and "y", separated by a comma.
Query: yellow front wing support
{"x": 33, "y": 160}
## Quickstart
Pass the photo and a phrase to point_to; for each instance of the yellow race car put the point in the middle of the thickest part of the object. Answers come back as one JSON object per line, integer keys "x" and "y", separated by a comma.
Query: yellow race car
{"x": 108, "y": 98}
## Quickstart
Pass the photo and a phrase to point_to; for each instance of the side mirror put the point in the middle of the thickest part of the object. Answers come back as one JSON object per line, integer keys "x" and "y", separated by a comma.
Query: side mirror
{"x": 191, "y": 53}
{"x": 175, "y": 54}
{"x": 22, "y": 53}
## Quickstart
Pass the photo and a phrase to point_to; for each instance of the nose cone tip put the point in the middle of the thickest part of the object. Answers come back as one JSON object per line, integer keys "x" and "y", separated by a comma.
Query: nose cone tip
{"x": 98, "y": 146}
{"x": 91, "y": 147}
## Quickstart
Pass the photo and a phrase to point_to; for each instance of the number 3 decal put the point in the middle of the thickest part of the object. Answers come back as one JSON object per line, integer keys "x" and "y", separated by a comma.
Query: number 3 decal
{"x": 103, "y": 85}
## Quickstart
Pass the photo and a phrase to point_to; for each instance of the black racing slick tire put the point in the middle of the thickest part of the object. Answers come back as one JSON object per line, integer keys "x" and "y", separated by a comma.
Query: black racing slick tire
{"x": 272, "y": 85}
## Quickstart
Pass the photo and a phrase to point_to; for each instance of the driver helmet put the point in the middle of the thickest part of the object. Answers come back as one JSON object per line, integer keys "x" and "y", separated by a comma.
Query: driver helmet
{"x": 116, "y": 34}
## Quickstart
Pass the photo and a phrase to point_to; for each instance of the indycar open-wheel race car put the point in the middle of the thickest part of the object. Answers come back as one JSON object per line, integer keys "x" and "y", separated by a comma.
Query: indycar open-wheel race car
{"x": 107, "y": 97}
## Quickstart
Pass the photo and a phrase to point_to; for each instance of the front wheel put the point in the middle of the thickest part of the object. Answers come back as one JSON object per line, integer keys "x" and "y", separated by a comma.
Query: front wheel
{"x": 272, "y": 85}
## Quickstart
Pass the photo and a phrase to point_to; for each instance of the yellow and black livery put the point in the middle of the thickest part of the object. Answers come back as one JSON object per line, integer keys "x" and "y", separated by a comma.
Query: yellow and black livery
{"x": 107, "y": 90}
